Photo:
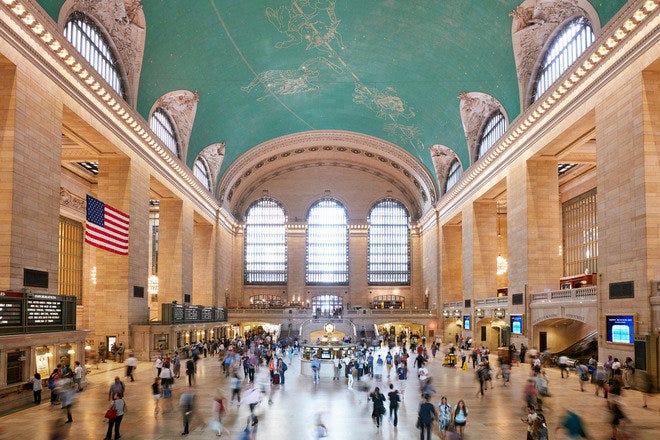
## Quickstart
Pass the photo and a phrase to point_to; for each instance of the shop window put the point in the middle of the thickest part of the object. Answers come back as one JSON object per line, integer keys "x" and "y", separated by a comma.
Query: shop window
{"x": 161, "y": 341}
{"x": 388, "y": 302}
{"x": 327, "y": 306}
{"x": 266, "y": 302}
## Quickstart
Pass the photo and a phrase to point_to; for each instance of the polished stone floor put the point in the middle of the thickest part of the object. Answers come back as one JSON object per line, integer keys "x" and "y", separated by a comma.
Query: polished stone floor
{"x": 346, "y": 413}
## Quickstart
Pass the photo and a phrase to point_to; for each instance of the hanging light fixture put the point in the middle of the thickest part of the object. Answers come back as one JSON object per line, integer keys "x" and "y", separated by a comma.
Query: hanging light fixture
{"x": 152, "y": 286}
{"x": 502, "y": 264}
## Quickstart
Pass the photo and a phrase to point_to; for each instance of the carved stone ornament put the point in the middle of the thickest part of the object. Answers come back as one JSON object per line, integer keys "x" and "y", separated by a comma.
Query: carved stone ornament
{"x": 534, "y": 22}
{"x": 124, "y": 22}
{"x": 475, "y": 107}
{"x": 214, "y": 154}
{"x": 72, "y": 201}
{"x": 442, "y": 158}
{"x": 181, "y": 105}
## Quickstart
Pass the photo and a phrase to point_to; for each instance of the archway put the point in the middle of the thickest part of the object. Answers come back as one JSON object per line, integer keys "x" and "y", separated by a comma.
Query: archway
{"x": 561, "y": 334}
{"x": 490, "y": 333}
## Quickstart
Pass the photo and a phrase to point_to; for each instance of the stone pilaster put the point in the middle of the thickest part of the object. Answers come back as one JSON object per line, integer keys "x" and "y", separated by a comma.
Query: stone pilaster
{"x": 124, "y": 185}
{"x": 484, "y": 244}
{"x": 203, "y": 265}
{"x": 30, "y": 162}
{"x": 175, "y": 250}
{"x": 627, "y": 201}
{"x": 358, "y": 243}
{"x": 452, "y": 263}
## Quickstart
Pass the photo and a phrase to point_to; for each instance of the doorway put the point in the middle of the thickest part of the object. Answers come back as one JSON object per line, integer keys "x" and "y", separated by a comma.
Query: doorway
{"x": 543, "y": 341}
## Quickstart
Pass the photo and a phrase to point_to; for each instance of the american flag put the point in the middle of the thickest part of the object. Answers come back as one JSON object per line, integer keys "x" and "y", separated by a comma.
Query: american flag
{"x": 107, "y": 227}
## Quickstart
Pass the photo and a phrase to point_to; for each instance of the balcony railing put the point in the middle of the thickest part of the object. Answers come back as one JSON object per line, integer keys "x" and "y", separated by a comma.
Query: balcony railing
{"x": 581, "y": 294}
{"x": 492, "y": 302}
{"x": 301, "y": 313}
{"x": 453, "y": 305}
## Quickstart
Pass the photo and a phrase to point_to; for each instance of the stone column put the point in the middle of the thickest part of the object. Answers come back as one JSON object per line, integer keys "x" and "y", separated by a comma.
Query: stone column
{"x": 30, "y": 165}
{"x": 175, "y": 251}
{"x": 295, "y": 241}
{"x": 124, "y": 185}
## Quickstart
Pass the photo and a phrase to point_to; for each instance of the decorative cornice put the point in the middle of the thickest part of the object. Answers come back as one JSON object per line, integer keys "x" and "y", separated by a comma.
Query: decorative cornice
{"x": 442, "y": 157}
{"x": 620, "y": 28}
{"x": 475, "y": 108}
{"x": 181, "y": 106}
{"x": 214, "y": 154}
{"x": 40, "y": 30}
{"x": 72, "y": 201}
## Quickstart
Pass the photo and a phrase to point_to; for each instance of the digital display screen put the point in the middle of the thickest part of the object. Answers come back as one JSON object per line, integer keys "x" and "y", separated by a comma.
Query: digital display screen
{"x": 44, "y": 310}
{"x": 516, "y": 324}
{"x": 11, "y": 309}
{"x": 620, "y": 328}
{"x": 466, "y": 322}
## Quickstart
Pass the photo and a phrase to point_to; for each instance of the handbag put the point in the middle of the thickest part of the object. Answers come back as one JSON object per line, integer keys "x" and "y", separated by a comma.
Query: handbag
{"x": 111, "y": 414}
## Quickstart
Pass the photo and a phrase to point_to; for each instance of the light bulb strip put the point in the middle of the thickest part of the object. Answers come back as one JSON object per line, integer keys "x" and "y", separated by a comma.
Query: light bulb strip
{"x": 117, "y": 105}
{"x": 594, "y": 57}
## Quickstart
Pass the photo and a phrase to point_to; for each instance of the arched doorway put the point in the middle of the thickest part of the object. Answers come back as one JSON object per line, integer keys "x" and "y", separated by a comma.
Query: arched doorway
{"x": 491, "y": 333}
{"x": 559, "y": 334}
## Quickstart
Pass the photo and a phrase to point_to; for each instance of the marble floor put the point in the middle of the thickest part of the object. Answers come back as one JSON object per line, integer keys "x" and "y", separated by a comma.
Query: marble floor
{"x": 346, "y": 413}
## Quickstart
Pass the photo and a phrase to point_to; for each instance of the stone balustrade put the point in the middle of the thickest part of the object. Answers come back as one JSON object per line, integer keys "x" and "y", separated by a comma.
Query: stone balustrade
{"x": 581, "y": 294}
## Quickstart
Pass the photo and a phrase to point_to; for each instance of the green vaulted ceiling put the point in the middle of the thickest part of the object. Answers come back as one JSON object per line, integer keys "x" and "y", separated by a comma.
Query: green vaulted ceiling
{"x": 388, "y": 68}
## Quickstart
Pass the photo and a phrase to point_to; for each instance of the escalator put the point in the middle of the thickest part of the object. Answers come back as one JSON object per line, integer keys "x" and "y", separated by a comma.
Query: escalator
{"x": 582, "y": 350}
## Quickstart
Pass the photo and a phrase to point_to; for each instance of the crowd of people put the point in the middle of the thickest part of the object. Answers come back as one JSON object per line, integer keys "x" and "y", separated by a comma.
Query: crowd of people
{"x": 255, "y": 364}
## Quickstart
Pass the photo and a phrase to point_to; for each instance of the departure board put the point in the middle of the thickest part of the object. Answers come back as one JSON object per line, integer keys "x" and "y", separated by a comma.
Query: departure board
{"x": 11, "y": 309}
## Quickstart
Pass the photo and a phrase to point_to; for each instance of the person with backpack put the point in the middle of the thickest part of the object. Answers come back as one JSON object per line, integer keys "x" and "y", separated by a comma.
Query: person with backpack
{"x": 281, "y": 368}
{"x": 52, "y": 380}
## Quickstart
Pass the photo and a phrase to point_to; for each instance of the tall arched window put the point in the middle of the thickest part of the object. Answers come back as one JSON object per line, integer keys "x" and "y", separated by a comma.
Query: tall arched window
{"x": 389, "y": 244}
{"x": 88, "y": 38}
{"x": 494, "y": 128}
{"x": 265, "y": 243}
{"x": 455, "y": 173}
{"x": 327, "y": 243}
{"x": 567, "y": 46}
{"x": 162, "y": 126}
{"x": 201, "y": 171}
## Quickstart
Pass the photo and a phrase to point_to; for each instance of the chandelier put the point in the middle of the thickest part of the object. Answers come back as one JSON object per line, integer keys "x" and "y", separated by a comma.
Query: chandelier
{"x": 152, "y": 286}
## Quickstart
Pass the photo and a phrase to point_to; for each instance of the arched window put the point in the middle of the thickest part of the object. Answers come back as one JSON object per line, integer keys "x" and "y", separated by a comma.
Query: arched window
{"x": 327, "y": 306}
{"x": 162, "y": 126}
{"x": 265, "y": 243}
{"x": 88, "y": 38}
{"x": 327, "y": 243}
{"x": 567, "y": 46}
{"x": 455, "y": 173}
{"x": 494, "y": 128}
{"x": 201, "y": 171}
{"x": 389, "y": 244}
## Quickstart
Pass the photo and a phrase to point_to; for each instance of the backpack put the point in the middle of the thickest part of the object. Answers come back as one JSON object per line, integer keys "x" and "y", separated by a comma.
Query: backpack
{"x": 284, "y": 367}
{"x": 51, "y": 383}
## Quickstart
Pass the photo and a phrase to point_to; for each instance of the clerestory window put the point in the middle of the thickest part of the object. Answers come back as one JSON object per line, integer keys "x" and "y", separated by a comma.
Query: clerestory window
{"x": 389, "y": 244}
{"x": 327, "y": 243}
{"x": 162, "y": 126}
{"x": 265, "y": 243}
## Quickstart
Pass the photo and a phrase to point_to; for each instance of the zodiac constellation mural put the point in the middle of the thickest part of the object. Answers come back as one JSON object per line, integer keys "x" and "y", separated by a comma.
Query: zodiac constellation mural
{"x": 315, "y": 24}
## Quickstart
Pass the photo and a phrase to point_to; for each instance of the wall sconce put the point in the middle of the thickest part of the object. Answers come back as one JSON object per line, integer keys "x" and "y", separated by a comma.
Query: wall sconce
{"x": 88, "y": 347}
{"x": 445, "y": 313}
{"x": 479, "y": 313}
{"x": 92, "y": 275}
{"x": 499, "y": 313}
{"x": 71, "y": 351}
{"x": 457, "y": 312}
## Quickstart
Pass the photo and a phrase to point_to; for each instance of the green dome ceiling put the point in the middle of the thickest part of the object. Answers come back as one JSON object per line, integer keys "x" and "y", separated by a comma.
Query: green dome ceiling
{"x": 391, "y": 69}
